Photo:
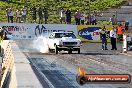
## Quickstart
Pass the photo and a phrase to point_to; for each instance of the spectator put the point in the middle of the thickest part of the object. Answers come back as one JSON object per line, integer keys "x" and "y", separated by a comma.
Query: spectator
{"x": 34, "y": 14}
{"x": 103, "y": 36}
{"x": 88, "y": 19}
{"x": 82, "y": 18}
{"x": 126, "y": 25}
{"x": 24, "y": 13}
{"x": 18, "y": 15}
{"x": 62, "y": 15}
{"x": 93, "y": 19}
{"x": 7, "y": 14}
{"x": 113, "y": 38}
{"x": 11, "y": 15}
{"x": 40, "y": 15}
{"x": 113, "y": 20}
{"x": 120, "y": 32}
{"x": 77, "y": 17}
{"x": 45, "y": 15}
{"x": 68, "y": 16}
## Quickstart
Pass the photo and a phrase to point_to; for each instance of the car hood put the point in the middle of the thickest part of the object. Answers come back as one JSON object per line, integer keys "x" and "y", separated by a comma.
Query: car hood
{"x": 68, "y": 39}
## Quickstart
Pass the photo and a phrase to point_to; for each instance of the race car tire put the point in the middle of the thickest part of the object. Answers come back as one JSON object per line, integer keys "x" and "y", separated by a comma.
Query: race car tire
{"x": 79, "y": 51}
{"x": 56, "y": 49}
{"x": 70, "y": 52}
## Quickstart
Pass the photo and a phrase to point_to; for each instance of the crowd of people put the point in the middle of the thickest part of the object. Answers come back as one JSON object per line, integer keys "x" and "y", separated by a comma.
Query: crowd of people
{"x": 21, "y": 14}
{"x": 80, "y": 17}
{"x": 65, "y": 16}
{"x": 42, "y": 14}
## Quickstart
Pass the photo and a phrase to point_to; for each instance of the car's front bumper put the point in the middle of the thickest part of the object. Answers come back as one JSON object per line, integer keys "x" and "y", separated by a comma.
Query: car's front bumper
{"x": 66, "y": 48}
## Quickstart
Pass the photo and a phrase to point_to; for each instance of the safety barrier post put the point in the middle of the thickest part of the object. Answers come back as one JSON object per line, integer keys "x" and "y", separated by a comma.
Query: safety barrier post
{"x": 124, "y": 43}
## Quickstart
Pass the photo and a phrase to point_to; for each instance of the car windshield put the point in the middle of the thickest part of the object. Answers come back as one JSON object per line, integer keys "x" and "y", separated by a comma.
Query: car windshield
{"x": 60, "y": 35}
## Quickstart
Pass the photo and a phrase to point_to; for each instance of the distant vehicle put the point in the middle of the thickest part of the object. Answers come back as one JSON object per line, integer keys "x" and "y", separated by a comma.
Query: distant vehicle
{"x": 65, "y": 41}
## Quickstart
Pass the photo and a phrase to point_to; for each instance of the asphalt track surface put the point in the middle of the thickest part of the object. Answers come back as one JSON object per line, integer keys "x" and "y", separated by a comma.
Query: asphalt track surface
{"x": 61, "y": 70}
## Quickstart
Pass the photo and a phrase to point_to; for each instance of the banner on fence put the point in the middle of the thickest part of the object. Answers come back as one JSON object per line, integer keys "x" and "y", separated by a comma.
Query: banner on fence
{"x": 30, "y": 31}
{"x": 90, "y": 32}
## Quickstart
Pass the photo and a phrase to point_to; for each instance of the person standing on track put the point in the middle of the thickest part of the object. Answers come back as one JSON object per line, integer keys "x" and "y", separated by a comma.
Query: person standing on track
{"x": 120, "y": 30}
{"x": 113, "y": 38}
{"x": 103, "y": 36}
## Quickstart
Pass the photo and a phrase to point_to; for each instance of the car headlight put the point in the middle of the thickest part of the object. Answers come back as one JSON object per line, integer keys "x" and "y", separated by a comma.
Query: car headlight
{"x": 80, "y": 43}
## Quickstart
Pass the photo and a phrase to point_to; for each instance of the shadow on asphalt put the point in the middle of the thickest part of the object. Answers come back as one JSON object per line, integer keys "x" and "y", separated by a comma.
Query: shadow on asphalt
{"x": 83, "y": 53}
{"x": 99, "y": 54}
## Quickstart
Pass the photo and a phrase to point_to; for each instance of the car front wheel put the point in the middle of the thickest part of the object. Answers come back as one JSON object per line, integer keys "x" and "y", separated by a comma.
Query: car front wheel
{"x": 70, "y": 51}
{"x": 79, "y": 51}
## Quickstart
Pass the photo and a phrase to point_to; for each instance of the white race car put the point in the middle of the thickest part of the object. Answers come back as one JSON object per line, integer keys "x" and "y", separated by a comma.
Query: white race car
{"x": 66, "y": 41}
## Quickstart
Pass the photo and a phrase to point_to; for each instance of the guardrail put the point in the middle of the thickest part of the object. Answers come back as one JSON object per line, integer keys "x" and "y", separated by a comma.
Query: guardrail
{"x": 7, "y": 63}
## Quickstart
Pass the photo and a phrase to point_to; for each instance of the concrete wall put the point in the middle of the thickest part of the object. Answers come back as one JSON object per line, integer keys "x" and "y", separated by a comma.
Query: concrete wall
{"x": 7, "y": 63}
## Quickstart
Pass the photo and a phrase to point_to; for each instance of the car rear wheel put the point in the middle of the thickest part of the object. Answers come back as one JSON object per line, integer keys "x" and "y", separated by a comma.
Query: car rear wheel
{"x": 56, "y": 49}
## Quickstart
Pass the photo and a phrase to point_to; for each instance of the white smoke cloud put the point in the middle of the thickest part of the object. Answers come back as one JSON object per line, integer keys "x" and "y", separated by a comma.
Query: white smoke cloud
{"x": 40, "y": 44}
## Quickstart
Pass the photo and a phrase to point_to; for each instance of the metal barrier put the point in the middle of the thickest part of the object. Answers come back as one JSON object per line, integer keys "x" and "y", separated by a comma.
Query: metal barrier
{"x": 7, "y": 63}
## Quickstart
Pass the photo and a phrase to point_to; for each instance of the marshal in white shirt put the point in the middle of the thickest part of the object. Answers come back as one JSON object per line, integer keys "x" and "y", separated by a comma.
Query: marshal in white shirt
{"x": 113, "y": 33}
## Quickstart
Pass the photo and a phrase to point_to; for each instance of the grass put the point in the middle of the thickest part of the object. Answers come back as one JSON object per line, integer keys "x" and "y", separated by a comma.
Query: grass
{"x": 55, "y": 5}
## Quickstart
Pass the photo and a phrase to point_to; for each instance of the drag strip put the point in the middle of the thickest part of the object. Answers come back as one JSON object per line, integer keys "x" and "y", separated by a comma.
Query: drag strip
{"x": 55, "y": 74}
{"x": 60, "y": 70}
{"x": 61, "y": 67}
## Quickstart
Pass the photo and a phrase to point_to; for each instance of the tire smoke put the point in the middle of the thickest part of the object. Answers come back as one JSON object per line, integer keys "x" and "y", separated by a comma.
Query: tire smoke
{"x": 40, "y": 44}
